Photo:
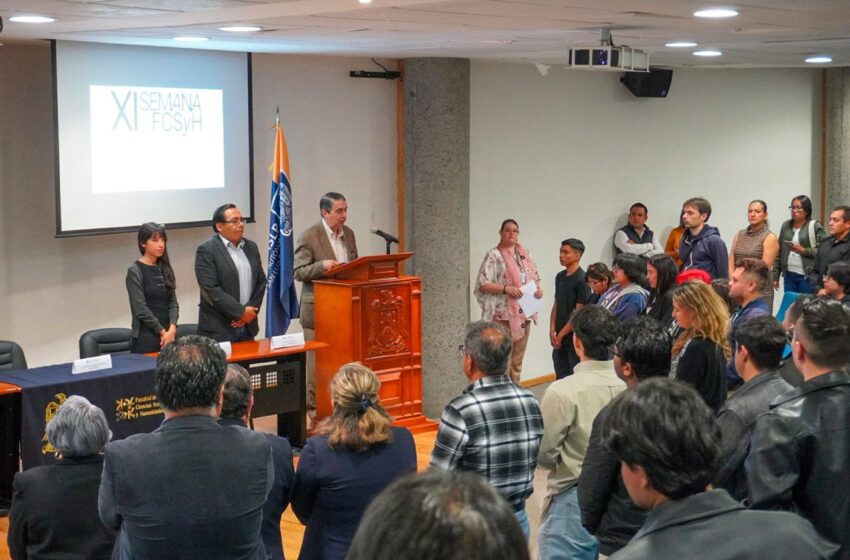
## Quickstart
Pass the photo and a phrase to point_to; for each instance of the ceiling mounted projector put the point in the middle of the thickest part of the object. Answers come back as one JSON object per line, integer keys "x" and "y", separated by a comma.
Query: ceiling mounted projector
{"x": 617, "y": 59}
{"x": 607, "y": 56}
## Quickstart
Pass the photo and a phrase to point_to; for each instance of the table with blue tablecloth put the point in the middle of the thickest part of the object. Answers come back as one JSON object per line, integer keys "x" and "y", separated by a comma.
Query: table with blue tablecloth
{"x": 29, "y": 399}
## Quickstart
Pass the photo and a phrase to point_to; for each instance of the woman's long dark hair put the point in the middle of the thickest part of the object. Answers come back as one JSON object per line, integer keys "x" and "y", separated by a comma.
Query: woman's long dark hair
{"x": 666, "y": 272}
{"x": 806, "y": 203}
{"x": 153, "y": 230}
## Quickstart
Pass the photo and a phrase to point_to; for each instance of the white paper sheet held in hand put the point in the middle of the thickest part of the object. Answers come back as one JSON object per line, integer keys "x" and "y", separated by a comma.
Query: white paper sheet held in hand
{"x": 528, "y": 303}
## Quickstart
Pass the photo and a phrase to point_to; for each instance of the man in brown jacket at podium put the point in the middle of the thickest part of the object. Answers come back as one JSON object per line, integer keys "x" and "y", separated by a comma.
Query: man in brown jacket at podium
{"x": 320, "y": 248}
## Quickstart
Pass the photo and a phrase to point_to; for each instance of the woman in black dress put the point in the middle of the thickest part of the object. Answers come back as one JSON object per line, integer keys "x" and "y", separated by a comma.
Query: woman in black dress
{"x": 152, "y": 290}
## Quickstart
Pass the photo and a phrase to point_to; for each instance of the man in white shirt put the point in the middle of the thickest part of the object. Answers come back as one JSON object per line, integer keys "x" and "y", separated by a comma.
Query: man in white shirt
{"x": 635, "y": 238}
{"x": 231, "y": 278}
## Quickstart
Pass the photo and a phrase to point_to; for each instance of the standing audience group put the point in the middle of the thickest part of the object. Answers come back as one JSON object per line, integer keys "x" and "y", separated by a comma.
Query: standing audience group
{"x": 679, "y": 421}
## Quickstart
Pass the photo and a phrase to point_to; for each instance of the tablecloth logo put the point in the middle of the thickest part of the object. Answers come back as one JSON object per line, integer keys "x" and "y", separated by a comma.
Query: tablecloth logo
{"x": 130, "y": 408}
{"x": 49, "y": 412}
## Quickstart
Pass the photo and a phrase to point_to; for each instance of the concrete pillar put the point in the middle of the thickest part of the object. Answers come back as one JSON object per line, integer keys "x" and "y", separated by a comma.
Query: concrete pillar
{"x": 837, "y": 138}
{"x": 436, "y": 214}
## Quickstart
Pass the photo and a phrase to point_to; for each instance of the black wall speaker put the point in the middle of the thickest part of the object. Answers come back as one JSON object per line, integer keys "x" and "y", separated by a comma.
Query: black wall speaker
{"x": 655, "y": 83}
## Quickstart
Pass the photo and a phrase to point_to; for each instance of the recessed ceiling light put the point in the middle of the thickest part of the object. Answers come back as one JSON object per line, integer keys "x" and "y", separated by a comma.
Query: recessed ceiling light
{"x": 708, "y": 52}
{"x": 819, "y": 59}
{"x": 191, "y": 39}
{"x": 716, "y": 13}
{"x": 32, "y": 19}
{"x": 240, "y": 28}
{"x": 365, "y": 1}
{"x": 680, "y": 44}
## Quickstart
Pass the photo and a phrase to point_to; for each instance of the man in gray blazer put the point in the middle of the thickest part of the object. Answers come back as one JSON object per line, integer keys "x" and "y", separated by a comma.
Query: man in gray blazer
{"x": 230, "y": 275}
{"x": 192, "y": 489}
{"x": 323, "y": 246}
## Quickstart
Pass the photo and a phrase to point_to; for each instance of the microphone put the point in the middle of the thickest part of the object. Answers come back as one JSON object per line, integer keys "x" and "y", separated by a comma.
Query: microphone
{"x": 387, "y": 237}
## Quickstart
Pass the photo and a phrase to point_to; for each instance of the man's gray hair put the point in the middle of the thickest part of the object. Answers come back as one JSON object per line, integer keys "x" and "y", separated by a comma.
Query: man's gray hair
{"x": 79, "y": 428}
{"x": 328, "y": 199}
{"x": 237, "y": 392}
{"x": 489, "y": 346}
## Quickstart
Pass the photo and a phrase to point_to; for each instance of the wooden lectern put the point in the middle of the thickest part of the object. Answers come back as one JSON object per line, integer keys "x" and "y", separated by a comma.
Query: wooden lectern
{"x": 368, "y": 312}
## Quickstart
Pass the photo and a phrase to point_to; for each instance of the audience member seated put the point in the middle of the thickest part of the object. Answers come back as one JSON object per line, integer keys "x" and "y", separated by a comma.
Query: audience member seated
{"x": 494, "y": 428}
{"x": 357, "y": 454}
{"x": 668, "y": 445}
{"x": 569, "y": 406}
{"x": 607, "y": 511}
{"x": 757, "y": 345}
{"x": 694, "y": 274}
{"x": 439, "y": 515}
{"x": 701, "y": 348}
{"x": 191, "y": 489}
{"x": 599, "y": 279}
{"x": 628, "y": 296}
{"x": 54, "y": 508}
{"x": 801, "y": 448}
{"x": 661, "y": 278}
{"x": 701, "y": 246}
{"x": 745, "y": 288}
{"x": 635, "y": 237}
{"x": 836, "y": 282}
{"x": 756, "y": 242}
{"x": 236, "y": 411}
{"x": 721, "y": 288}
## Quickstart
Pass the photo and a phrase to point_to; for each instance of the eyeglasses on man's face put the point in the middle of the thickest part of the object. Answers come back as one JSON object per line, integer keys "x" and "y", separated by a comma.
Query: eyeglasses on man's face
{"x": 235, "y": 221}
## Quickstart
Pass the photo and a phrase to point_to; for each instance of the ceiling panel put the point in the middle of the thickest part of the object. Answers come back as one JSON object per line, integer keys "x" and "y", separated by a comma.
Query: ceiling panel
{"x": 767, "y": 32}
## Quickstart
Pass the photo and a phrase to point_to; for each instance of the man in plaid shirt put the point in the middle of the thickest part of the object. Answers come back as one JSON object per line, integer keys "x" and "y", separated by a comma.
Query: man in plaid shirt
{"x": 494, "y": 427}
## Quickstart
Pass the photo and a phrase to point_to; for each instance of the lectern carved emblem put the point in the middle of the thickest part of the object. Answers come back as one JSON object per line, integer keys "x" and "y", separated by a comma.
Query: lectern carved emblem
{"x": 388, "y": 329}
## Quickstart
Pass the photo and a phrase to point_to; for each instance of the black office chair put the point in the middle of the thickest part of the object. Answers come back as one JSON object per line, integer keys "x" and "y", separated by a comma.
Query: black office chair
{"x": 11, "y": 356}
{"x": 186, "y": 330}
{"x": 105, "y": 341}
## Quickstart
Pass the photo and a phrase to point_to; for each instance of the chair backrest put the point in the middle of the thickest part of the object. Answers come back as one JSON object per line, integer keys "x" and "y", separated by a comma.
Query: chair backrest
{"x": 186, "y": 330}
{"x": 105, "y": 341}
{"x": 786, "y": 302}
{"x": 11, "y": 356}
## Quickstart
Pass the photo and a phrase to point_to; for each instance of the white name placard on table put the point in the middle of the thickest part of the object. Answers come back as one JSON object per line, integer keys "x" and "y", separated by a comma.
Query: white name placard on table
{"x": 226, "y": 348}
{"x": 95, "y": 363}
{"x": 287, "y": 341}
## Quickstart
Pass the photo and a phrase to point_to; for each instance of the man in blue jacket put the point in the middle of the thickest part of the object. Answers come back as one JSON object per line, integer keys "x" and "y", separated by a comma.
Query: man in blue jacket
{"x": 745, "y": 285}
{"x": 701, "y": 246}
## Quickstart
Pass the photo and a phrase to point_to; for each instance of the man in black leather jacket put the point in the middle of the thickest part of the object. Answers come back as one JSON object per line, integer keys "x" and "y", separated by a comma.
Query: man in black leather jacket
{"x": 607, "y": 511}
{"x": 800, "y": 452}
{"x": 757, "y": 345}
{"x": 668, "y": 444}
{"x": 834, "y": 248}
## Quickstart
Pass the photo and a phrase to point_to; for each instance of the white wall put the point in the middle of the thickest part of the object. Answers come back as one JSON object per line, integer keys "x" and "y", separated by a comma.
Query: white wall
{"x": 566, "y": 154}
{"x": 341, "y": 135}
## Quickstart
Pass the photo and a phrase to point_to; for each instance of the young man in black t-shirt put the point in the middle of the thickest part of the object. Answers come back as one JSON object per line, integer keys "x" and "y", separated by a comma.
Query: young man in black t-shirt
{"x": 571, "y": 293}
